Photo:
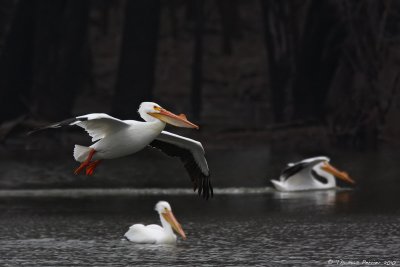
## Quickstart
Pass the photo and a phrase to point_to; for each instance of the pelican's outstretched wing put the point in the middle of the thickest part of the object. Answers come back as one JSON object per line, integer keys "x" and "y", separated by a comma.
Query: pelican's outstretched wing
{"x": 191, "y": 152}
{"x": 97, "y": 125}
{"x": 294, "y": 168}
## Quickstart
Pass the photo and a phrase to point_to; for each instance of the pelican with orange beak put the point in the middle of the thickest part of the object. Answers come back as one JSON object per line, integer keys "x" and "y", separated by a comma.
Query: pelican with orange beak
{"x": 310, "y": 174}
{"x": 155, "y": 234}
{"x": 114, "y": 138}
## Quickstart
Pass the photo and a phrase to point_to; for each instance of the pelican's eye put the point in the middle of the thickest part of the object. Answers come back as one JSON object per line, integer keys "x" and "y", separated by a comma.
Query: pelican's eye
{"x": 156, "y": 108}
{"x": 165, "y": 210}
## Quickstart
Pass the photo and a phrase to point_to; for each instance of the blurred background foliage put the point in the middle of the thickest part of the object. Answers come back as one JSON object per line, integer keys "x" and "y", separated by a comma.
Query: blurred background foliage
{"x": 231, "y": 65}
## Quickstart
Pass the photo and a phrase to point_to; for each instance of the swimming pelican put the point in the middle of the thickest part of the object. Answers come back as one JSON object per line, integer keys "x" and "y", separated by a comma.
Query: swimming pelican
{"x": 115, "y": 138}
{"x": 310, "y": 174}
{"x": 155, "y": 234}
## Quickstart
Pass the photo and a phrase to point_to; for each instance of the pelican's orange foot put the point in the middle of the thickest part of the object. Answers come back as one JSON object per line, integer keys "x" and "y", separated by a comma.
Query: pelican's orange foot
{"x": 80, "y": 168}
{"x": 86, "y": 162}
{"x": 91, "y": 167}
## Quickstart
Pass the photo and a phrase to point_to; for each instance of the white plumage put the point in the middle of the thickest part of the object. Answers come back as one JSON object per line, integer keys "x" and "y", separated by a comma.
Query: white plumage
{"x": 100, "y": 125}
{"x": 114, "y": 138}
{"x": 310, "y": 174}
{"x": 155, "y": 234}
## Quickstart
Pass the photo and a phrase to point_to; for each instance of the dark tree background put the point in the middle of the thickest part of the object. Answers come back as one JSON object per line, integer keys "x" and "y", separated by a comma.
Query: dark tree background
{"x": 258, "y": 64}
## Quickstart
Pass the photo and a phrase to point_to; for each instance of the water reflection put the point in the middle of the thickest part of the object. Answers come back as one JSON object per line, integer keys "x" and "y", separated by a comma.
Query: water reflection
{"x": 322, "y": 197}
{"x": 317, "y": 198}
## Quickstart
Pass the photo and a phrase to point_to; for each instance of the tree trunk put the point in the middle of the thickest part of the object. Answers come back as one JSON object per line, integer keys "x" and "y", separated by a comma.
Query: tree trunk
{"x": 138, "y": 56}
{"x": 173, "y": 17}
{"x": 16, "y": 62}
{"x": 229, "y": 19}
{"x": 60, "y": 38}
{"x": 197, "y": 65}
{"x": 317, "y": 61}
{"x": 279, "y": 42}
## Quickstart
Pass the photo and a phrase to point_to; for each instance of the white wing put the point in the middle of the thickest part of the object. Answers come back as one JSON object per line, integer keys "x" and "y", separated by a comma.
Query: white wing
{"x": 97, "y": 125}
{"x": 192, "y": 154}
{"x": 139, "y": 233}
{"x": 293, "y": 168}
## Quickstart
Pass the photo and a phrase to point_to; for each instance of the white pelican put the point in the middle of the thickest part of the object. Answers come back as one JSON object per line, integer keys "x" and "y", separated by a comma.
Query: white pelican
{"x": 115, "y": 138}
{"x": 155, "y": 234}
{"x": 310, "y": 174}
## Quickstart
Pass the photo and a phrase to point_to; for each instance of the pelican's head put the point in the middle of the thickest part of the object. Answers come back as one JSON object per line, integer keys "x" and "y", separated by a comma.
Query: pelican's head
{"x": 164, "y": 209}
{"x": 326, "y": 167}
{"x": 150, "y": 110}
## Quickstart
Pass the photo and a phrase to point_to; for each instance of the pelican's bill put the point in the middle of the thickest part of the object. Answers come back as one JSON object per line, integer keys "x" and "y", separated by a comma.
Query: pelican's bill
{"x": 173, "y": 119}
{"x": 170, "y": 218}
{"x": 339, "y": 174}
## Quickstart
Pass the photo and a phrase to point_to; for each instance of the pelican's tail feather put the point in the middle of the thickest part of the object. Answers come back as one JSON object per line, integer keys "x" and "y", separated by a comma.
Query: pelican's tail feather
{"x": 278, "y": 185}
{"x": 81, "y": 153}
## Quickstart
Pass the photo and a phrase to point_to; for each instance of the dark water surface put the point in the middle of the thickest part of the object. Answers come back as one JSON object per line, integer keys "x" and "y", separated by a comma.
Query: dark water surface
{"x": 261, "y": 227}
{"x": 239, "y": 227}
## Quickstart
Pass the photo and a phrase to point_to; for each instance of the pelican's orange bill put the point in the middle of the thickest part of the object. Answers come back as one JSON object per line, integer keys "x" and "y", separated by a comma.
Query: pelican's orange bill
{"x": 170, "y": 218}
{"x": 339, "y": 174}
{"x": 173, "y": 119}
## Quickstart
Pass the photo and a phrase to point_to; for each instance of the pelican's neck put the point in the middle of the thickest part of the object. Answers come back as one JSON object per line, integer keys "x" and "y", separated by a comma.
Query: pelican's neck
{"x": 146, "y": 117}
{"x": 153, "y": 122}
{"x": 167, "y": 227}
{"x": 329, "y": 177}
{"x": 155, "y": 126}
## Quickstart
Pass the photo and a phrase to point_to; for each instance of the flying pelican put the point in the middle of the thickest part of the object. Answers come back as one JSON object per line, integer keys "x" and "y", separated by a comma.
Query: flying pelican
{"x": 310, "y": 174}
{"x": 116, "y": 138}
{"x": 155, "y": 234}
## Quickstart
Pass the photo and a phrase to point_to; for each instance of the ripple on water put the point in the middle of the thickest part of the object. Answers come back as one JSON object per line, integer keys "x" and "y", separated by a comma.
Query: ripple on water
{"x": 261, "y": 229}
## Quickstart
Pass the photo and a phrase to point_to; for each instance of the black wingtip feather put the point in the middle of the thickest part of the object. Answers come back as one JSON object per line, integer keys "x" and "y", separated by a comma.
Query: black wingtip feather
{"x": 297, "y": 167}
{"x": 66, "y": 122}
{"x": 292, "y": 170}
{"x": 201, "y": 182}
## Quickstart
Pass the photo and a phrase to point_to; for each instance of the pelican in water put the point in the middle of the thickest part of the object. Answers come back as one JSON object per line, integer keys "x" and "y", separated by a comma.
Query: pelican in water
{"x": 310, "y": 174}
{"x": 114, "y": 138}
{"x": 155, "y": 234}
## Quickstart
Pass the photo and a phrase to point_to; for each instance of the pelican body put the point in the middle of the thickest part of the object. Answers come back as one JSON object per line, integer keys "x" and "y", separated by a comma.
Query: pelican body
{"x": 114, "y": 138}
{"x": 310, "y": 174}
{"x": 155, "y": 234}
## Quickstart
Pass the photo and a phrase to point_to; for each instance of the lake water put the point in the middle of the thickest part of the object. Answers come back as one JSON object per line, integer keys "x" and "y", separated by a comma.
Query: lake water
{"x": 239, "y": 227}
